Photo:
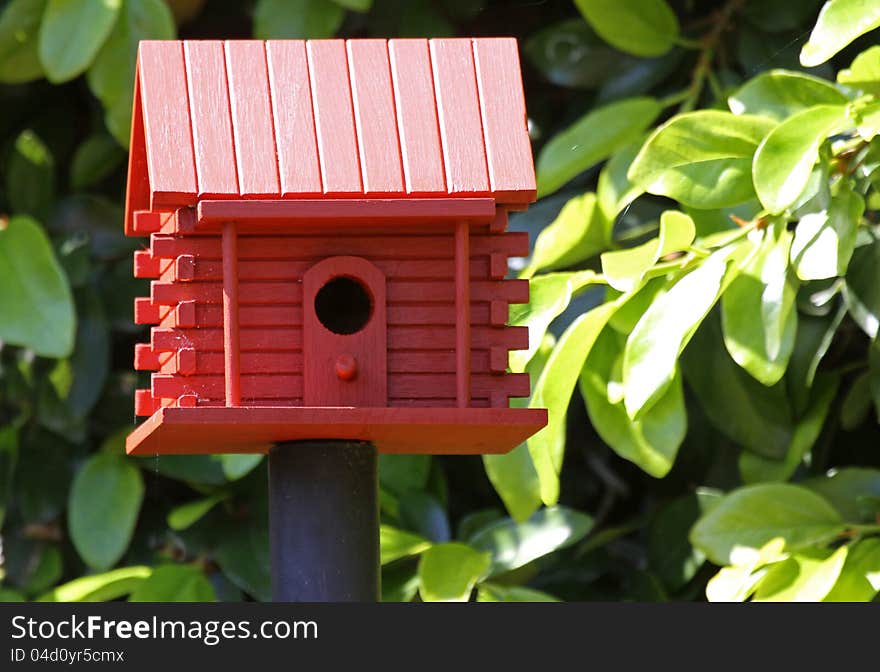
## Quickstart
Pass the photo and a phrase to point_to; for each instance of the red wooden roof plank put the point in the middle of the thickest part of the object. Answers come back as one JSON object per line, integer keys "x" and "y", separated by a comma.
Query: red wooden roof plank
{"x": 294, "y": 120}
{"x": 334, "y": 117}
{"x": 167, "y": 126}
{"x": 458, "y": 111}
{"x": 375, "y": 117}
{"x": 211, "y": 120}
{"x": 252, "y": 124}
{"x": 417, "y": 124}
{"x": 503, "y": 111}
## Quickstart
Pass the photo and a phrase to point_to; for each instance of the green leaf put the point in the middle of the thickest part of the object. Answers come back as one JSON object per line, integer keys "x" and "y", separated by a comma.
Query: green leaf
{"x": 839, "y": 23}
{"x": 625, "y": 269}
{"x": 653, "y": 347}
{"x": 568, "y": 53}
{"x": 30, "y": 177}
{"x": 19, "y": 28}
{"x": 8, "y": 595}
{"x": 549, "y": 295}
{"x": 111, "y": 76}
{"x": 105, "y": 500}
{"x": 781, "y": 93}
{"x": 553, "y": 391}
{"x": 862, "y": 287}
{"x": 402, "y": 473}
{"x": 493, "y": 592}
{"x": 652, "y": 441}
{"x": 71, "y": 34}
{"x": 99, "y": 587}
{"x": 35, "y": 299}
{"x": 758, "y": 310}
{"x": 824, "y": 241}
{"x": 184, "y": 516}
{"x": 512, "y": 545}
{"x": 579, "y": 232}
{"x": 638, "y": 27}
{"x": 400, "y": 583}
{"x": 753, "y": 515}
{"x": 239, "y": 465}
{"x": 785, "y": 159}
{"x": 297, "y": 19}
{"x": 448, "y": 572}
{"x": 593, "y": 138}
{"x": 95, "y": 159}
{"x": 850, "y": 490}
{"x": 614, "y": 191}
{"x": 737, "y": 583}
{"x": 702, "y": 159}
{"x": 395, "y": 544}
{"x": 805, "y": 577}
{"x": 355, "y": 5}
{"x": 174, "y": 583}
{"x": 670, "y": 554}
{"x": 864, "y": 72}
{"x": 243, "y": 555}
{"x": 859, "y": 578}
{"x": 8, "y": 461}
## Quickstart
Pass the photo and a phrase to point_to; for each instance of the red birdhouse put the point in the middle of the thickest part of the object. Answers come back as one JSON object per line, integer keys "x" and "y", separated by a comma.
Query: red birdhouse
{"x": 327, "y": 223}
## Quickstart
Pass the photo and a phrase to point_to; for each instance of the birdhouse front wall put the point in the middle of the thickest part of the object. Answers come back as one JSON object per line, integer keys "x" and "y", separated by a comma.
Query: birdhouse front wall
{"x": 186, "y": 348}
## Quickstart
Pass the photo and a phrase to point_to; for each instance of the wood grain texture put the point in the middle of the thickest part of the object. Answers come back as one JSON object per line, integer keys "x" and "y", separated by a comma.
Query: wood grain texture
{"x": 231, "y": 329}
{"x": 167, "y": 124}
{"x": 392, "y": 430}
{"x": 375, "y": 116}
{"x": 417, "y": 124}
{"x": 295, "y": 137}
{"x": 503, "y": 113}
{"x": 334, "y": 117}
{"x": 458, "y": 112}
{"x": 252, "y": 124}
{"x": 211, "y": 118}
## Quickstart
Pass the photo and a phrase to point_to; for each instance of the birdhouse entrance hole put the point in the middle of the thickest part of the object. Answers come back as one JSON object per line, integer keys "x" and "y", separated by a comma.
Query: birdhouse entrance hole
{"x": 343, "y": 305}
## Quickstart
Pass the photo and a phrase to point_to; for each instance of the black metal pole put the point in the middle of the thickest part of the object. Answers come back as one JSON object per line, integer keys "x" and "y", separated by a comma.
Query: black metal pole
{"x": 324, "y": 522}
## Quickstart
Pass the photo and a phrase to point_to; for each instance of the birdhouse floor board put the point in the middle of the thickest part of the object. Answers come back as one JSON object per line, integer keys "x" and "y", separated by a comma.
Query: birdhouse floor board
{"x": 436, "y": 431}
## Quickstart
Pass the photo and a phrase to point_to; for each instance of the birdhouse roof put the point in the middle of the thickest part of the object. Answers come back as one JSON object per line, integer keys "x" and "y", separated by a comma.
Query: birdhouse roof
{"x": 334, "y": 119}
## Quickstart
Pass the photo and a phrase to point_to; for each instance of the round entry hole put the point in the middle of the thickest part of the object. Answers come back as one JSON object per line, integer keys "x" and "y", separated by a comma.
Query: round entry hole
{"x": 343, "y": 305}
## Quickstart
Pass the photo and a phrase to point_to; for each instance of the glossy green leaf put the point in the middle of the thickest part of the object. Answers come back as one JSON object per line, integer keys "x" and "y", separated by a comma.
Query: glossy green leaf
{"x": 243, "y": 555}
{"x": 30, "y": 176}
{"x": 593, "y": 138}
{"x": 670, "y": 553}
{"x": 638, "y": 27}
{"x": 784, "y": 161}
{"x": 859, "y": 579}
{"x": 805, "y": 577}
{"x": 35, "y": 299}
{"x": 839, "y": 23}
{"x": 653, "y": 440}
{"x": 184, "y": 516}
{"x": 19, "y": 30}
{"x": 512, "y": 544}
{"x": 862, "y": 288}
{"x": 614, "y": 191}
{"x": 579, "y": 232}
{"x": 569, "y": 53}
{"x": 174, "y": 583}
{"x": 553, "y": 391}
{"x": 781, "y": 93}
{"x": 824, "y": 241}
{"x": 864, "y": 72}
{"x": 701, "y": 159}
{"x": 297, "y": 19}
{"x": 72, "y": 33}
{"x": 448, "y": 572}
{"x": 652, "y": 349}
{"x": 239, "y": 465}
{"x": 395, "y": 544}
{"x": 737, "y": 582}
{"x": 99, "y": 587}
{"x": 850, "y": 490}
{"x": 105, "y": 501}
{"x": 355, "y": 5}
{"x": 401, "y": 473}
{"x": 492, "y": 592}
{"x": 112, "y": 73}
{"x": 753, "y": 515}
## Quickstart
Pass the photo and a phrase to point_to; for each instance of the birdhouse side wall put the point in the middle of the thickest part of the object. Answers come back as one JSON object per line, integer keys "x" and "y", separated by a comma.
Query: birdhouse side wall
{"x": 185, "y": 305}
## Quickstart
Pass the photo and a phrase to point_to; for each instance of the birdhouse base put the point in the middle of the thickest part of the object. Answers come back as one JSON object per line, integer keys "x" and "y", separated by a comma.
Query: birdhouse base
{"x": 436, "y": 431}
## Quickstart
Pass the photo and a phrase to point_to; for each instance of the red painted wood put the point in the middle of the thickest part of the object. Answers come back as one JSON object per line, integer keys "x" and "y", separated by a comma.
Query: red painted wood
{"x": 252, "y": 123}
{"x": 335, "y": 212}
{"x": 211, "y": 118}
{"x": 417, "y": 124}
{"x": 392, "y": 430}
{"x": 145, "y": 311}
{"x": 375, "y": 116}
{"x": 137, "y": 193}
{"x": 334, "y": 117}
{"x": 144, "y": 404}
{"x": 505, "y": 125}
{"x": 368, "y": 347}
{"x": 167, "y": 126}
{"x": 145, "y": 265}
{"x": 462, "y": 316}
{"x": 145, "y": 359}
{"x": 458, "y": 111}
{"x": 231, "y": 337}
{"x": 291, "y": 93}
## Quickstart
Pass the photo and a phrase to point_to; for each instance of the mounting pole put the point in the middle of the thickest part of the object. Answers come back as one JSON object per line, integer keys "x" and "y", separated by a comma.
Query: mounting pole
{"x": 324, "y": 522}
